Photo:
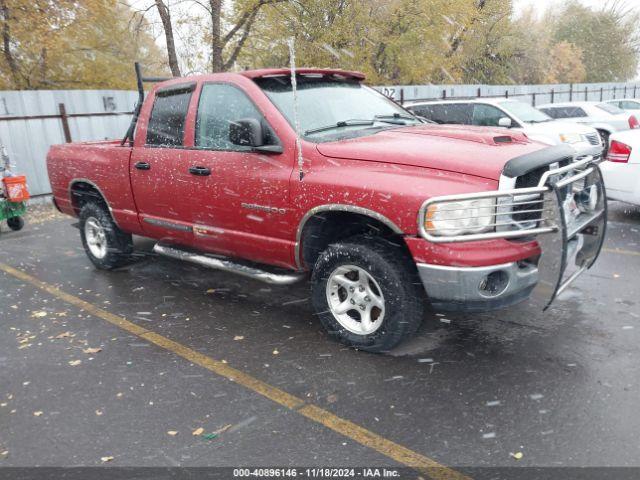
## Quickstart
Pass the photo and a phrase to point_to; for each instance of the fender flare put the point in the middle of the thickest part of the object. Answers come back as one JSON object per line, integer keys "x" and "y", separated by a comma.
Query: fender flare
{"x": 89, "y": 182}
{"x": 337, "y": 207}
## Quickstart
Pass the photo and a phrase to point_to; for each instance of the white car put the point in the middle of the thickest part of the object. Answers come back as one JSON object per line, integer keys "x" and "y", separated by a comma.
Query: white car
{"x": 507, "y": 113}
{"x": 630, "y": 105}
{"x": 621, "y": 171}
{"x": 602, "y": 116}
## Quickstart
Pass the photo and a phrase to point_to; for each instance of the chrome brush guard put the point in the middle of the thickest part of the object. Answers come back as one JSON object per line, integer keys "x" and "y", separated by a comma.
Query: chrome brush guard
{"x": 565, "y": 213}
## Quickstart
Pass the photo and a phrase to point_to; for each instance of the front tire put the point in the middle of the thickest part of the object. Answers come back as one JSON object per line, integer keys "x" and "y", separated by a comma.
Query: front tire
{"x": 105, "y": 244}
{"x": 367, "y": 293}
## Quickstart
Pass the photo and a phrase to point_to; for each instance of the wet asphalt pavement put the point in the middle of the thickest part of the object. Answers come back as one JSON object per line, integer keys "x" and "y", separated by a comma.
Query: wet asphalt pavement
{"x": 561, "y": 387}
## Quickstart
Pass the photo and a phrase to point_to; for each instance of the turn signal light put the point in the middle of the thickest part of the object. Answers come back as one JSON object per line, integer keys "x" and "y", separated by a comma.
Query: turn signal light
{"x": 619, "y": 152}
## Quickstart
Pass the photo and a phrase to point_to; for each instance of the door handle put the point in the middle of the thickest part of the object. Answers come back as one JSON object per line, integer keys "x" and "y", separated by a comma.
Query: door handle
{"x": 143, "y": 166}
{"x": 200, "y": 171}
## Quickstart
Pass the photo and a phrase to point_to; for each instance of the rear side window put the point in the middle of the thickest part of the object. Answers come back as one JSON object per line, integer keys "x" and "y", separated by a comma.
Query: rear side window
{"x": 612, "y": 109}
{"x": 452, "y": 113}
{"x": 166, "y": 124}
{"x": 565, "y": 112}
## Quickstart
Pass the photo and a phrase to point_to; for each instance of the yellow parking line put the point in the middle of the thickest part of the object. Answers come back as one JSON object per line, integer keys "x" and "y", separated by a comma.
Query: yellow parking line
{"x": 319, "y": 415}
{"x": 621, "y": 252}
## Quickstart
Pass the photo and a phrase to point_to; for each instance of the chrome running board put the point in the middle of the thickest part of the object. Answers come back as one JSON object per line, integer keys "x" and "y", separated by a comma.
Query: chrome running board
{"x": 229, "y": 266}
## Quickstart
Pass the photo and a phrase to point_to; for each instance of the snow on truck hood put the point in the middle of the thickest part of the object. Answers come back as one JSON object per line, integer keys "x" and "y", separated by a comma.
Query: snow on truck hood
{"x": 477, "y": 151}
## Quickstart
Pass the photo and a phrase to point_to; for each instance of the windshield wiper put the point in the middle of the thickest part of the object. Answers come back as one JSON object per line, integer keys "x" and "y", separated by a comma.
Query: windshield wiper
{"x": 395, "y": 119}
{"x": 396, "y": 116}
{"x": 341, "y": 124}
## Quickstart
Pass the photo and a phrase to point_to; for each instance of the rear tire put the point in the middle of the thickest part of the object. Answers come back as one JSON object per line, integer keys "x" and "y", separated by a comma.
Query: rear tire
{"x": 367, "y": 293}
{"x": 105, "y": 244}
{"x": 15, "y": 223}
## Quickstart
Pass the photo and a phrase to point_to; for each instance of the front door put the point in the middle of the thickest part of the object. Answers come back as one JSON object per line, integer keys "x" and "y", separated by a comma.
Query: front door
{"x": 241, "y": 207}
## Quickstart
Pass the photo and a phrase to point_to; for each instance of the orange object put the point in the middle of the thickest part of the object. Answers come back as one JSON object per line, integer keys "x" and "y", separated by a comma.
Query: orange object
{"x": 16, "y": 188}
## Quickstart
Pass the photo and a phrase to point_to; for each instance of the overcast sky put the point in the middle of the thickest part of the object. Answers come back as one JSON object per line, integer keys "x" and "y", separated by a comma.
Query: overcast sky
{"x": 542, "y": 5}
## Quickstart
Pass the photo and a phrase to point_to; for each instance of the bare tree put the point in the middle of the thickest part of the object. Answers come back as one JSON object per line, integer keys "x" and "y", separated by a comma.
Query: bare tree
{"x": 165, "y": 16}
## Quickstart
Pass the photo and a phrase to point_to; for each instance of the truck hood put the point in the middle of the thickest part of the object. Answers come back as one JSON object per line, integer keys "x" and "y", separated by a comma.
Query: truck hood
{"x": 481, "y": 152}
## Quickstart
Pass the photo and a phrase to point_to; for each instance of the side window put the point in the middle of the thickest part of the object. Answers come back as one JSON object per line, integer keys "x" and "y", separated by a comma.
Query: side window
{"x": 220, "y": 105}
{"x": 166, "y": 124}
{"x": 452, "y": 113}
{"x": 487, "y": 115}
{"x": 575, "y": 112}
{"x": 422, "y": 111}
{"x": 552, "y": 112}
{"x": 629, "y": 105}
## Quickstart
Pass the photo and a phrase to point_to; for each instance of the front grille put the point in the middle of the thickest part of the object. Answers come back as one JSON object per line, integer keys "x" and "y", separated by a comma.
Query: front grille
{"x": 593, "y": 138}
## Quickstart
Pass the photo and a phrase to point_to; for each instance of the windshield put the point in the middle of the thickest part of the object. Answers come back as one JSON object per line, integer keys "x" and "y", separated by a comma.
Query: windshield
{"x": 612, "y": 109}
{"x": 525, "y": 112}
{"x": 329, "y": 109}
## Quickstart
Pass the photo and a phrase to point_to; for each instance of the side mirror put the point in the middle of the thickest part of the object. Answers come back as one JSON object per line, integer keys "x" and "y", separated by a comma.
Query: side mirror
{"x": 246, "y": 132}
{"x": 505, "y": 122}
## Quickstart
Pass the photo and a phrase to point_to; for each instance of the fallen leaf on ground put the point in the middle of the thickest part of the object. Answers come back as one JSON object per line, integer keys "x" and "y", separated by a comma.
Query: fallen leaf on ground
{"x": 119, "y": 395}
{"x": 37, "y": 414}
{"x": 517, "y": 455}
{"x": 5, "y": 453}
{"x": 98, "y": 412}
{"x": 106, "y": 459}
{"x": 222, "y": 430}
{"x": 74, "y": 363}
{"x": 276, "y": 352}
{"x": 64, "y": 335}
{"x": 197, "y": 431}
{"x": 39, "y": 314}
{"x": 173, "y": 433}
{"x": 211, "y": 290}
{"x": 92, "y": 350}
{"x": 238, "y": 337}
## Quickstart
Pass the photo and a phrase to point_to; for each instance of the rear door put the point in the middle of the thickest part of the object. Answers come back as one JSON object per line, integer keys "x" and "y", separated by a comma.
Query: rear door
{"x": 159, "y": 169}
{"x": 242, "y": 204}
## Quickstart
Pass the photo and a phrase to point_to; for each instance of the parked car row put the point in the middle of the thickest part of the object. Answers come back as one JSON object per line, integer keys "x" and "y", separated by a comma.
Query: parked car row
{"x": 600, "y": 129}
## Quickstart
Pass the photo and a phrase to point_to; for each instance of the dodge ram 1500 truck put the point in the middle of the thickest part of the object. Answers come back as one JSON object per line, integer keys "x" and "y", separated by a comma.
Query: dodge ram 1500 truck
{"x": 247, "y": 173}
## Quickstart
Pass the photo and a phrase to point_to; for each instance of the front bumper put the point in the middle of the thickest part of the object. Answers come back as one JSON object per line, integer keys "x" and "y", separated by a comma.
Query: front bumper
{"x": 478, "y": 288}
{"x": 569, "y": 228}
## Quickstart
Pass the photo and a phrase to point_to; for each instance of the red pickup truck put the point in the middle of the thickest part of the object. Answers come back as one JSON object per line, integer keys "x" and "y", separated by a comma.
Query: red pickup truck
{"x": 388, "y": 214}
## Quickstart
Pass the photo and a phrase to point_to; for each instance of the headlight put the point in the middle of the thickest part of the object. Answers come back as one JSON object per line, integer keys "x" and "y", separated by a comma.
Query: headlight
{"x": 460, "y": 217}
{"x": 570, "y": 137}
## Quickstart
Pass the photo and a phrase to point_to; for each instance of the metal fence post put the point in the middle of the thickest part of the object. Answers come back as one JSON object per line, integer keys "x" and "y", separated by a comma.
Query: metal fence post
{"x": 506, "y": 94}
{"x": 444, "y": 94}
{"x": 614, "y": 93}
{"x": 635, "y": 88}
{"x": 65, "y": 122}
{"x": 553, "y": 95}
{"x": 402, "y": 96}
{"x": 586, "y": 94}
{"x": 601, "y": 94}
{"x": 533, "y": 99}
{"x": 479, "y": 92}
{"x": 625, "y": 92}
{"x": 571, "y": 92}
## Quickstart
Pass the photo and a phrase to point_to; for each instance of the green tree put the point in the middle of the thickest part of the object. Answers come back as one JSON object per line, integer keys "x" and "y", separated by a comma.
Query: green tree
{"x": 607, "y": 39}
{"x": 70, "y": 44}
